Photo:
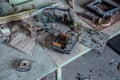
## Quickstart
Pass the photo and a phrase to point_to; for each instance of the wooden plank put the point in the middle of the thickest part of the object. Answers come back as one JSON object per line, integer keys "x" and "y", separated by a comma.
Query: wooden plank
{"x": 17, "y": 16}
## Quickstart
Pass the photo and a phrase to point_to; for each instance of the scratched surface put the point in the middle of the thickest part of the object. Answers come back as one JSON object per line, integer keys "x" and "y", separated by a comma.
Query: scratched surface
{"x": 42, "y": 63}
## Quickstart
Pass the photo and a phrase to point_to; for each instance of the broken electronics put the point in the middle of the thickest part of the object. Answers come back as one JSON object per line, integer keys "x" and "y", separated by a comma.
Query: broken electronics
{"x": 23, "y": 65}
{"x": 89, "y": 15}
{"x": 98, "y": 7}
{"x": 55, "y": 14}
{"x": 86, "y": 36}
{"x": 64, "y": 43}
{"x": 93, "y": 39}
{"x": 101, "y": 14}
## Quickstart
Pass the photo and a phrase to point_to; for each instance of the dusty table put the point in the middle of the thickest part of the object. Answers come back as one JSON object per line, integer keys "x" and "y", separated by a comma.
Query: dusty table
{"x": 79, "y": 50}
{"x": 42, "y": 63}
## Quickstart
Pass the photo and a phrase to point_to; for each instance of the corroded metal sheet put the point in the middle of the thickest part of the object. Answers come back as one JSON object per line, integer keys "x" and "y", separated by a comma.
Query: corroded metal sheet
{"x": 17, "y": 16}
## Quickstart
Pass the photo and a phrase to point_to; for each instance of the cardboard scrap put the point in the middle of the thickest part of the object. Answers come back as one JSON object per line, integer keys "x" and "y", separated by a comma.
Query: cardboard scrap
{"x": 23, "y": 43}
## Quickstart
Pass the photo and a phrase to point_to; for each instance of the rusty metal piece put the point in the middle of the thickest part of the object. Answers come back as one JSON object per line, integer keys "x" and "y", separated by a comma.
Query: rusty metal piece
{"x": 23, "y": 65}
{"x": 93, "y": 39}
{"x": 57, "y": 44}
{"x": 64, "y": 43}
{"x": 63, "y": 35}
{"x": 103, "y": 8}
{"x": 105, "y": 21}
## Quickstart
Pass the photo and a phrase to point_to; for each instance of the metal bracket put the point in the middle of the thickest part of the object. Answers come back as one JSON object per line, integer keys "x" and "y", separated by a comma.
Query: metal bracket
{"x": 103, "y": 13}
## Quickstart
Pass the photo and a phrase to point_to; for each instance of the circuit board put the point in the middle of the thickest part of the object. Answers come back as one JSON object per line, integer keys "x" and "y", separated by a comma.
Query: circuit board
{"x": 93, "y": 39}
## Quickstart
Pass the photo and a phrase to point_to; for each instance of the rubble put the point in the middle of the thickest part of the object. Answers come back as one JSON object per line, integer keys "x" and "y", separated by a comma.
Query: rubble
{"x": 42, "y": 19}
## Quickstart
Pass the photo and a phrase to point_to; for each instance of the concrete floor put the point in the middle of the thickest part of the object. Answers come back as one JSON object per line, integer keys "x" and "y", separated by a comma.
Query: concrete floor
{"x": 93, "y": 65}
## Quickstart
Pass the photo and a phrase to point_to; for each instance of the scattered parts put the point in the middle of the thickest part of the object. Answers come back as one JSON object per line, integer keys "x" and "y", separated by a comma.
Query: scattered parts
{"x": 103, "y": 8}
{"x": 86, "y": 36}
{"x": 23, "y": 43}
{"x": 105, "y": 21}
{"x": 64, "y": 43}
{"x": 93, "y": 39}
{"x": 38, "y": 12}
{"x": 53, "y": 13}
{"x": 56, "y": 14}
{"x": 29, "y": 23}
{"x": 107, "y": 13}
{"x": 89, "y": 15}
{"x": 6, "y": 9}
{"x": 23, "y": 65}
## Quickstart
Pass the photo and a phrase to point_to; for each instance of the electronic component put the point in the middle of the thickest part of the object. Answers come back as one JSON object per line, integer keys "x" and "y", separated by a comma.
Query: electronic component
{"x": 49, "y": 15}
{"x": 103, "y": 8}
{"x": 23, "y": 65}
{"x": 93, "y": 39}
{"x": 89, "y": 15}
{"x": 64, "y": 43}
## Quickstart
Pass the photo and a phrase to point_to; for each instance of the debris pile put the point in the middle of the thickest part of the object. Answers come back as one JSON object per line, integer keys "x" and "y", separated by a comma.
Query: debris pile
{"x": 23, "y": 33}
{"x": 101, "y": 13}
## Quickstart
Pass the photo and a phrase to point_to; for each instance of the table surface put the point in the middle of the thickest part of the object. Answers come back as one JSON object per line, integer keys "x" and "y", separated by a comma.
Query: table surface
{"x": 79, "y": 50}
{"x": 44, "y": 61}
